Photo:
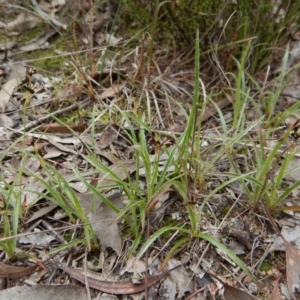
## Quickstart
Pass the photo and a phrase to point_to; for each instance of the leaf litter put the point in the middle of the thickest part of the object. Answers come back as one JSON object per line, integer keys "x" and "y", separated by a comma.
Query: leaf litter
{"x": 12, "y": 272}
{"x": 102, "y": 217}
{"x": 99, "y": 215}
{"x": 117, "y": 288}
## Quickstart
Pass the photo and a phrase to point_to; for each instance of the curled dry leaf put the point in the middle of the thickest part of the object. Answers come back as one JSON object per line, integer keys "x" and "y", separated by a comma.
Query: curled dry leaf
{"x": 11, "y": 272}
{"x": 114, "y": 287}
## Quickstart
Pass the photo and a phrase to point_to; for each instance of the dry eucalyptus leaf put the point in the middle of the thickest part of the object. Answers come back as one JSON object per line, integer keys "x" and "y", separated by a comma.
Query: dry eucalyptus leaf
{"x": 39, "y": 238}
{"x": 102, "y": 219}
{"x": 63, "y": 148}
{"x": 57, "y": 128}
{"x": 6, "y": 92}
{"x": 41, "y": 212}
{"x": 16, "y": 75}
{"x": 54, "y": 139}
{"x": 108, "y": 136}
{"x": 78, "y": 186}
{"x": 13, "y": 272}
{"x": 31, "y": 191}
{"x": 53, "y": 153}
{"x": 32, "y": 165}
{"x": 232, "y": 293}
{"x": 114, "y": 287}
{"x": 5, "y": 120}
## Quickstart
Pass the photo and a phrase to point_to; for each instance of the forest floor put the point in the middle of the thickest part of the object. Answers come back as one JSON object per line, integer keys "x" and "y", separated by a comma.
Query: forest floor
{"x": 116, "y": 168}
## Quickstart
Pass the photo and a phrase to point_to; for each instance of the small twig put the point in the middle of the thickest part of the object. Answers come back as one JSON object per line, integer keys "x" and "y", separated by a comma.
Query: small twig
{"x": 52, "y": 230}
{"x": 87, "y": 287}
{"x": 56, "y": 113}
{"x": 191, "y": 296}
{"x": 147, "y": 255}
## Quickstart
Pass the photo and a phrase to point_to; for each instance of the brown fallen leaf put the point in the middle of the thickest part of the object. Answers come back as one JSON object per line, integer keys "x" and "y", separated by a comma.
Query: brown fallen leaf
{"x": 276, "y": 293}
{"x": 114, "y": 287}
{"x": 103, "y": 220}
{"x": 11, "y": 272}
{"x": 232, "y": 293}
{"x": 108, "y": 136}
{"x": 57, "y": 128}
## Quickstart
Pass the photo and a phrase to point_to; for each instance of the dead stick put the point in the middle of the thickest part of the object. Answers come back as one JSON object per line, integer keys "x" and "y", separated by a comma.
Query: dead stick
{"x": 56, "y": 113}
